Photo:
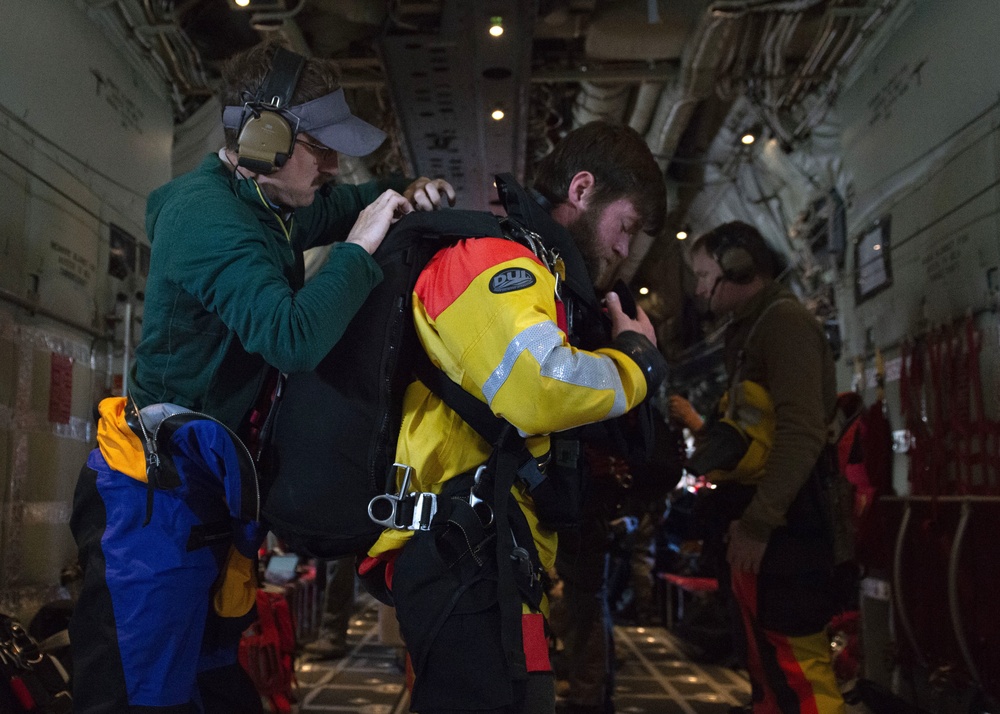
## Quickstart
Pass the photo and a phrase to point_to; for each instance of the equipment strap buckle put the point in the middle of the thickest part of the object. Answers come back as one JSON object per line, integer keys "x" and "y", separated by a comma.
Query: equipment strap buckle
{"x": 481, "y": 507}
{"x": 404, "y": 511}
{"x": 424, "y": 511}
{"x": 524, "y": 568}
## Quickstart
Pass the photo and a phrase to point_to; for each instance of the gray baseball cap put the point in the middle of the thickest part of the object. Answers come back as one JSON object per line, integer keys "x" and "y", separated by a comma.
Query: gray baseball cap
{"x": 327, "y": 119}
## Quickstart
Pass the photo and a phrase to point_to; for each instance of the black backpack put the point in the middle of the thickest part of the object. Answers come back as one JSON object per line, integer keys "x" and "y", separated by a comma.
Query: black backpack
{"x": 335, "y": 428}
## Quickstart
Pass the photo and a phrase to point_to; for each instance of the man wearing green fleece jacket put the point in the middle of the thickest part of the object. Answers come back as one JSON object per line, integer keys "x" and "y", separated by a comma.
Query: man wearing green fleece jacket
{"x": 166, "y": 519}
{"x": 225, "y": 295}
{"x": 779, "y": 548}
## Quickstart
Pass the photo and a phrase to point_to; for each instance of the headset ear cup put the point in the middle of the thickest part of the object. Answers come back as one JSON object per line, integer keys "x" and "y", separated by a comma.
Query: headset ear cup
{"x": 737, "y": 265}
{"x": 265, "y": 142}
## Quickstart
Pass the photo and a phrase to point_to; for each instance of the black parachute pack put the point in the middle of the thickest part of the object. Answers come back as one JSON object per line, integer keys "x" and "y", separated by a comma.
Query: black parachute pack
{"x": 335, "y": 428}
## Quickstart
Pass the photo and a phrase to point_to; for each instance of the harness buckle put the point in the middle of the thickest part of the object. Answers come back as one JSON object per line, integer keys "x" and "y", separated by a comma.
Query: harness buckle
{"x": 392, "y": 510}
{"x": 384, "y": 508}
{"x": 481, "y": 507}
{"x": 423, "y": 511}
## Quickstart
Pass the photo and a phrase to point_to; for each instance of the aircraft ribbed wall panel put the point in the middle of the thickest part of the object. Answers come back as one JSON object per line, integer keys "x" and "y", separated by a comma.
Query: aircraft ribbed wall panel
{"x": 83, "y": 139}
{"x": 937, "y": 74}
{"x": 922, "y": 151}
{"x": 61, "y": 76}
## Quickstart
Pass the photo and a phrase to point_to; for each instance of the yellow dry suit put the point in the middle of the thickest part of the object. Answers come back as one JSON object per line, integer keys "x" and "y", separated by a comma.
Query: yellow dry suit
{"x": 734, "y": 445}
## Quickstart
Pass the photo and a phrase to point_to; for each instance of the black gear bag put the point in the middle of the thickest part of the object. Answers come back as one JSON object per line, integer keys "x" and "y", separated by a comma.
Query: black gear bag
{"x": 335, "y": 429}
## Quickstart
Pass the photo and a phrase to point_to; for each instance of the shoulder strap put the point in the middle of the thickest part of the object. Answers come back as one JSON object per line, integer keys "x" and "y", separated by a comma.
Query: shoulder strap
{"x": 509, "y": 452}
{"x": 737, "y": 375}
{"x": 473, "y": 412}
{"x": 760, "y": 319}
{"x": 447, "y": 224}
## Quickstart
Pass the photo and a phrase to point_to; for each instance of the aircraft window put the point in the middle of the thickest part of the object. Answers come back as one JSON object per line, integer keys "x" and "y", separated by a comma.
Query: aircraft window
{"x": 872, "y": 266}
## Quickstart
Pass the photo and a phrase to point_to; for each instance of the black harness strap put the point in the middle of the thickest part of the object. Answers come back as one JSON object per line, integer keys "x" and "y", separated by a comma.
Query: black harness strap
{"x": 504, "y": 470}
{"x": 473, "y": 412}
{"x": 514, "y": 562}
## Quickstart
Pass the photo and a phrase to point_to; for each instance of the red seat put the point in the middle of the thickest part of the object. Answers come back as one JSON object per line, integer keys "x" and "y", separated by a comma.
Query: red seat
{"x": 692, "y": 585}
{"x": 674, "y": 607}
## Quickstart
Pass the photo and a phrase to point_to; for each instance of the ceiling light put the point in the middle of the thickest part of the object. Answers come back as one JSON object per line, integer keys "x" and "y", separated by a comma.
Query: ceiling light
{"x": 682, "y": 234}
{"x": 496, "y": 26}
{"x": 748, "y": 139}
{"x": 497, "y": 114}
{"x": 268, "y": 6}
{"x": 644, "y": 290}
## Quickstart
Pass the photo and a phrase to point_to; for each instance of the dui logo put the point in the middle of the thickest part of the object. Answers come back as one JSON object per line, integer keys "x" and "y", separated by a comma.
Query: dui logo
{"x": 507, "y": 281}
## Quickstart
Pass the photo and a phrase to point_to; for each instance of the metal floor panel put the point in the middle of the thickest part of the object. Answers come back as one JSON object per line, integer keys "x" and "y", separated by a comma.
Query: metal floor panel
{"x": 654, "y": 676}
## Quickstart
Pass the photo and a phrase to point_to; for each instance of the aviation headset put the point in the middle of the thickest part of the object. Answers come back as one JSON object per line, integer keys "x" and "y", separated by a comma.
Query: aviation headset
{"x": 266, "y": 136}
{"x": 735, "y": 259}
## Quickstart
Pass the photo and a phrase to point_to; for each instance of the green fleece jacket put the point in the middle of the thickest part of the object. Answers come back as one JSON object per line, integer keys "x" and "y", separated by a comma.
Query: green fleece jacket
{"x": 788, "y": 355}
{"x": 224, "y": 297}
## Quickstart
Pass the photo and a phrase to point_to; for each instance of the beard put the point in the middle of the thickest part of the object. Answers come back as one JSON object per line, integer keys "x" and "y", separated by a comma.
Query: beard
{"x": 584, "y": 232}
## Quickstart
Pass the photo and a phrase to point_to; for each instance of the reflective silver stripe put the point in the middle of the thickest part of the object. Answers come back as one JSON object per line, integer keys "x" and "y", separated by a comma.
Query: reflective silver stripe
{"x": 583, "y": 369}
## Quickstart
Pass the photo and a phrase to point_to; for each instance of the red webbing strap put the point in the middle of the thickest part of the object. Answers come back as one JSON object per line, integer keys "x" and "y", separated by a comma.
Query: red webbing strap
{"x": 911, "y": 387}
{"x": 983, "y": 434}
{"x": 937, "y": 451}
{"x": 961, "y": 398}
{"x": 955, "y": 447}
{"x": 989, "y": 432}
{"x": 963, "y": 423}
{"x": 273, "y": 671}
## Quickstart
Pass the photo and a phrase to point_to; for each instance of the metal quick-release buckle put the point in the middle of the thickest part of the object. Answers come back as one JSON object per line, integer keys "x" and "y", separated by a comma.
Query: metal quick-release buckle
{"x": 424, "y": 511}
{"x": 388, "y": 509}
{"x": 481, "y": 507}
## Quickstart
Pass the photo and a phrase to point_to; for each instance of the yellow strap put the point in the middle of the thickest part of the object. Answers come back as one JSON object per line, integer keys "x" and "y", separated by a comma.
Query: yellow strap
{"x": 236, "y": 589}
{"x": 281, "y": 222}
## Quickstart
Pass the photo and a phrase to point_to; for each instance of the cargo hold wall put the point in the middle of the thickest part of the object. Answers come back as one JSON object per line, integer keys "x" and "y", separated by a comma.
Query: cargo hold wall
{"x": 83, "y": 139}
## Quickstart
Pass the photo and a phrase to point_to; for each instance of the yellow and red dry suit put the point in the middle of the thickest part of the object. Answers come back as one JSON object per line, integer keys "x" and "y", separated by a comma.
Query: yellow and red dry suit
{"x": 486, "y": 313}
{"x": 782, "y": 371}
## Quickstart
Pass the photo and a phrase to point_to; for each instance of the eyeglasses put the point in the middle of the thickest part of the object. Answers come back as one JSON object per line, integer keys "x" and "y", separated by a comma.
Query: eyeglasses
{"x": 322, "y": 153}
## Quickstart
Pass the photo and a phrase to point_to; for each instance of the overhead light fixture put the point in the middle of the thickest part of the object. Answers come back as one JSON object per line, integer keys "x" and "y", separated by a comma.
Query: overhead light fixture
{"x": 644, "y": 290}
{"x": 496, "y": 26}
{"x": 259, "y": 5}
{"x": 682, "y": 234}
{"x": 748, "y": 139}
{"x": 497, "y": 114}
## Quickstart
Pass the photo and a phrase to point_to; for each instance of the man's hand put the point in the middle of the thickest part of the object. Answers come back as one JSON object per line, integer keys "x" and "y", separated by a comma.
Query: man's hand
{"x": 620, "y": 322}
{"x": 745, "y": 552}
{"x": 683, "y": 413}
{"x": 374, "y": 221}
{"x": 426, "y": 194}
